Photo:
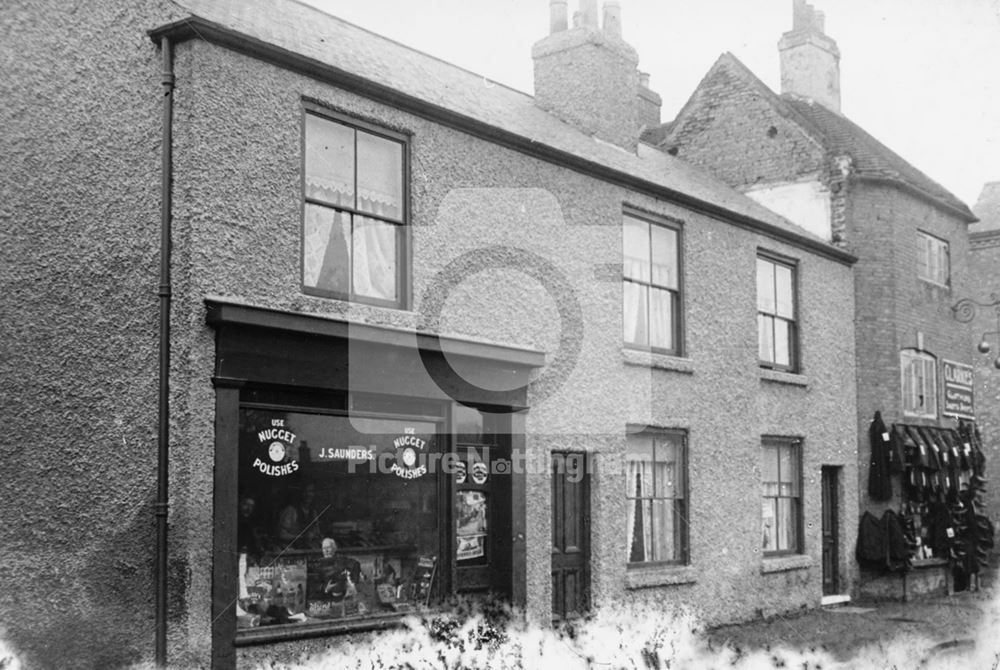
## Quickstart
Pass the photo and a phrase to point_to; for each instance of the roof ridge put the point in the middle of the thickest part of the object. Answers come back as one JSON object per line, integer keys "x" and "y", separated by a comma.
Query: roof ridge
{"x": 810, "y": 128}
{"x": 903, "y": 166}
{"x": 415, "y": 50}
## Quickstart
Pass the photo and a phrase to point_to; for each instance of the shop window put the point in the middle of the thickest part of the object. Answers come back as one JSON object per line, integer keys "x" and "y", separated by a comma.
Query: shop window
{"x": 919, "y": 383}
{"x": 656, "y": 495}
{"x": 652, "y": 288}
{"x": 782, "y": 486}
{"x": 776, "y": 327}
{"x": 354, "y": 212}
{"x": 338, "y": 518}
{"x": 932, "y": 259}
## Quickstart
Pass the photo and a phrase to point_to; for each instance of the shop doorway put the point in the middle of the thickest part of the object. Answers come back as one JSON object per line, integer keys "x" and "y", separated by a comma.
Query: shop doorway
{"x": 570, "y": 535}
{"x": 831, "y": 530}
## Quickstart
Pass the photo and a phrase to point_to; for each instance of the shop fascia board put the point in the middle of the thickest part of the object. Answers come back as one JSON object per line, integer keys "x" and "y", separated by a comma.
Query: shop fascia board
{"x": 221, "y": 312}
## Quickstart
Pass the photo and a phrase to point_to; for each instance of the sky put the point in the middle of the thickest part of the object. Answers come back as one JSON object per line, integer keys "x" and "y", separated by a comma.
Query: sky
{"x": 922, "y": 76}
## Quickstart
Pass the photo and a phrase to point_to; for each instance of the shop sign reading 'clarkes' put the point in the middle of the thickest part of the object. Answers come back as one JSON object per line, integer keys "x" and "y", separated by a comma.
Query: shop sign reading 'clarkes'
{"x": 959, "y": 381}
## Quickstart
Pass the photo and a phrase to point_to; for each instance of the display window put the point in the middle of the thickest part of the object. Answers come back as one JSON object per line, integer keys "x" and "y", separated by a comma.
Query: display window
{"x": 338, "y": 516}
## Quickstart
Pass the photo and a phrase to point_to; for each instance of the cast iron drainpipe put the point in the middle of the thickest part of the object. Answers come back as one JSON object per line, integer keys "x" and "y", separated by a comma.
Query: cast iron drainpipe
{"x": 161, "y": 508}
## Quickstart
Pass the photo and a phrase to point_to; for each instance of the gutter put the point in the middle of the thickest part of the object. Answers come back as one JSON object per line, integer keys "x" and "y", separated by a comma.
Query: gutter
{"x": 163, "y": 437}
{"x": 214, "y": 33}
{"x": 903, "y": 185}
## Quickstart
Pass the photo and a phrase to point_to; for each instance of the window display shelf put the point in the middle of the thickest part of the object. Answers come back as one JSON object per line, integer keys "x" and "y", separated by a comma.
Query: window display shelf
{"x": 319, "y": 627}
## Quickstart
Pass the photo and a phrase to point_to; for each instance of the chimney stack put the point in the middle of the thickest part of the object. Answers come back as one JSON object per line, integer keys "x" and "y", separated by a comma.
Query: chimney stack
{"x": 810, "y": 60}
{"x": 649, "y": 104}
{"x": 589, "y": 77}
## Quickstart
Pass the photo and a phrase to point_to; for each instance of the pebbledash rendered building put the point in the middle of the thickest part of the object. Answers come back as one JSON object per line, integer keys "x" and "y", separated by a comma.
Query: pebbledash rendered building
{"x": 416, "y": 334}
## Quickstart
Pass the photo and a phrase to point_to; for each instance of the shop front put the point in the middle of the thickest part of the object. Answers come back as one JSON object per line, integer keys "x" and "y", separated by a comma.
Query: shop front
{"x": 358, "y": 475}
{"x": 940, "y": 538}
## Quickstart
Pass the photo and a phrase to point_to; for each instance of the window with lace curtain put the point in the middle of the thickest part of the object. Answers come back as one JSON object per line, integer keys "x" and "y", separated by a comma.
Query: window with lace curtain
{"x": 354, "y": 212}
{"x": 782, "y": 485}
{"x": 656, "y": 497}
{"x": 652, "y": 289}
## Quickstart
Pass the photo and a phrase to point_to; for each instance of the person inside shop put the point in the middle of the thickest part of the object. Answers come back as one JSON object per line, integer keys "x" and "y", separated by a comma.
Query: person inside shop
{"x": 249, "y": 536}
{"x": 337, "y": 575}
{"x": 297, "y": 524}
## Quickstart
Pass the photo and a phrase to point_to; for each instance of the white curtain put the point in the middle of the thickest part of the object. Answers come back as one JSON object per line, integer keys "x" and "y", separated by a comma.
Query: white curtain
{"x": 374, "y": 258}
{"x": 640, "y": 526}
{"x": 634, "y": 313}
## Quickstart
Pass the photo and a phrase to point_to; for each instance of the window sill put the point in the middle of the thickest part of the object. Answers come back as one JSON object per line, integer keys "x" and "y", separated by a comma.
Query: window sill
{"x": 662, "y": 575}
{"x": 265, "y": 634}
{"x": 650, "y": 359}
{"x": 786, "y": 563}
{"x": 780, "y": 377}
{"x": 933, "y": 283}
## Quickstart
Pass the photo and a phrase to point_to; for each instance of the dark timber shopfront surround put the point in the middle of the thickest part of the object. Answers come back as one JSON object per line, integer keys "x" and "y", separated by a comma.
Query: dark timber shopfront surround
{"x": 412, "y": 487}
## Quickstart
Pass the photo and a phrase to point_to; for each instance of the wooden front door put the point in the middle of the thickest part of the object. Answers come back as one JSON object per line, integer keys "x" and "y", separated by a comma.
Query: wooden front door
{"x": 831, "y": 531}
{"x": 570, "y": 535}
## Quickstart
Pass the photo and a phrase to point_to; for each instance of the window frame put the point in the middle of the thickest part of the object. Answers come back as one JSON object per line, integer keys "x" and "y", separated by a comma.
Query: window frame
{"x": 403, "y": 256}
{"x": 795, "y": 444}
{"x": 929, "y": 361}
{"x": 931, "y": 246}
{"x": 677, "y": 295}
{"x": 792, "y": 265}
{"x": 682, "y": 552}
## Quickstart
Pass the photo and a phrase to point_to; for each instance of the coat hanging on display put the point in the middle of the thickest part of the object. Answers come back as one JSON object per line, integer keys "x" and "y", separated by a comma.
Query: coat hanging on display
{"x": 884, "y": 544}
{"x": 881, "y": 462}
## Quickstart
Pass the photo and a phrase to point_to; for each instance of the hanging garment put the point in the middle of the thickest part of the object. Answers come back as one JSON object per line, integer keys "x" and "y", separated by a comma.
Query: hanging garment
{"x": 880, "y": 463}
{"x": 870, "y": 550}
{"x": 940, "y": 530}
{"x": 897, "y": 549}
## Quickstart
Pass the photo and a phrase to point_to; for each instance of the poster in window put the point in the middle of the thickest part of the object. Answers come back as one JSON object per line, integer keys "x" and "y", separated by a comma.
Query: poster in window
{"x": 472, "y": 525}
{"x": 423, "y": 579}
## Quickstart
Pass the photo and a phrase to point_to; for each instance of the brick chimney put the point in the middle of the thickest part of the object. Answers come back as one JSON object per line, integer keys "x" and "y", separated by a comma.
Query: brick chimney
{"x": 810, "y": 60}
{"x": 588, "y": 76}
{"x": 650, "y": 103}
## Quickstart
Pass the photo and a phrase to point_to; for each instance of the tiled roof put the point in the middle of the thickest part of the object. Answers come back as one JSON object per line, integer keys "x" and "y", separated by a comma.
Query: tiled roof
{"x": 840, "y": 135}
{"x": 302, "y": 30}
{"x": 987, "y": 209}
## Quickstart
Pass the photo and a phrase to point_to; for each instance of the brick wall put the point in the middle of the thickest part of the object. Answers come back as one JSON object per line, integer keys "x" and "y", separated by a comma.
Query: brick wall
{"x": 733, "y": 129}
{"x": 985, "y": 269}
{"x": 894, "y": 304}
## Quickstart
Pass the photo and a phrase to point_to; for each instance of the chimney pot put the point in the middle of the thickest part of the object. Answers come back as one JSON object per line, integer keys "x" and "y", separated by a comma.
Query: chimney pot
{"x": 613, "y": 19}
{"x": 644, "y": 79}
{"x": 557, "y": 16}
{"x": 588, "y": 8}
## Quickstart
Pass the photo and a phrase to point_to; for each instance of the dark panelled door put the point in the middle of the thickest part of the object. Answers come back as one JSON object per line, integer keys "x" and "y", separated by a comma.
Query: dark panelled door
{"x": 570, "y": 535}
{"x": 831, "y": 531}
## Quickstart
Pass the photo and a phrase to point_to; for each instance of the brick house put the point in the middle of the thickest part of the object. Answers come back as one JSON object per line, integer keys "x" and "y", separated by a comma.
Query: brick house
{"x": 315, "y": 330}
{"x": 798, "y": 154}
{"x": 984, "y": 267}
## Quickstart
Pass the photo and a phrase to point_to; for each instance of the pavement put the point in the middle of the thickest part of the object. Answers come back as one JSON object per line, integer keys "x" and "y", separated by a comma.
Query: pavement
{"x": 959, "y": 631}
